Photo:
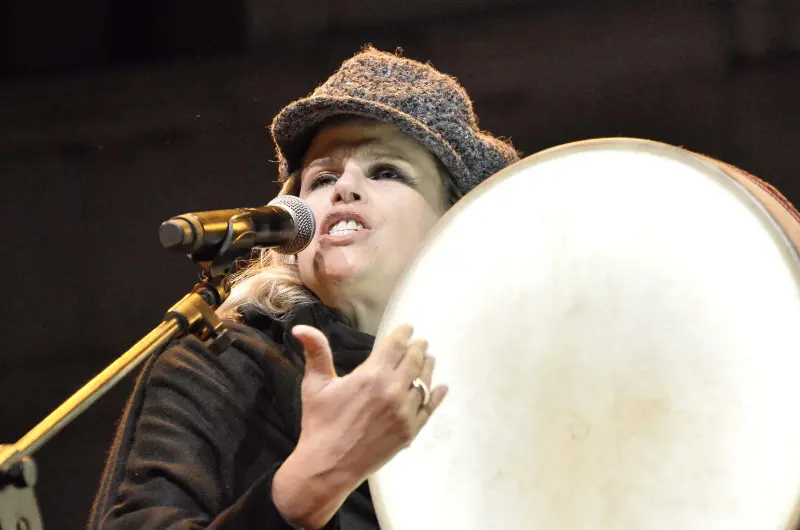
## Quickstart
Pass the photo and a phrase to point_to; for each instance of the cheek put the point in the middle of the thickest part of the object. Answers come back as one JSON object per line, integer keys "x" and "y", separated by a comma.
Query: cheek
{"x": 411, "y": 220}
{"x": 319, "y": 202}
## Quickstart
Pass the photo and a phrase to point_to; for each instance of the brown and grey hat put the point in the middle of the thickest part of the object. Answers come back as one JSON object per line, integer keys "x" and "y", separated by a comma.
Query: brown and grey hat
{"x": 426, "y": 104}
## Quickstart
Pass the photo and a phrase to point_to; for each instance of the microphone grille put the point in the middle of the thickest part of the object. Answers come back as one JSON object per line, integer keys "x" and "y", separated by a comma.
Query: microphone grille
{"x": 304, "y": 220}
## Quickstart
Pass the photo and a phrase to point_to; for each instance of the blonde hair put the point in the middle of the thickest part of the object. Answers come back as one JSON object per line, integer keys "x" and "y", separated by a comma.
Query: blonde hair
{"x": 270, "y": 282}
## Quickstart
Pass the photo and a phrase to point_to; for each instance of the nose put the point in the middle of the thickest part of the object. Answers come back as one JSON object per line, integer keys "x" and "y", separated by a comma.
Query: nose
{"x": 349, "y": 186}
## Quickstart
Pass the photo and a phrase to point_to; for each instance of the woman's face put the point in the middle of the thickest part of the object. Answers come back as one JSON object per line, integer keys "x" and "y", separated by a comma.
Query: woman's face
{"x": 375, "y": 193}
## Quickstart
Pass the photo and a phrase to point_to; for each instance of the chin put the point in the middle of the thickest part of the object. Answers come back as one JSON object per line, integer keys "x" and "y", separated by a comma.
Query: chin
{"x": 338, "y": 269}
{"x": 342, "y": 267}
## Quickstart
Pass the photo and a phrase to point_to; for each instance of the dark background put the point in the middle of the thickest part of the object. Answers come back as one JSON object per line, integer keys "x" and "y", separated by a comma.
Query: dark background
{"x": 115, "y": 115}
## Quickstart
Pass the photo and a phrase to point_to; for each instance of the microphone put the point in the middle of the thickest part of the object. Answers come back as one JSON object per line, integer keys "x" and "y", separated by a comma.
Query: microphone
{"x": 286, "y": 223}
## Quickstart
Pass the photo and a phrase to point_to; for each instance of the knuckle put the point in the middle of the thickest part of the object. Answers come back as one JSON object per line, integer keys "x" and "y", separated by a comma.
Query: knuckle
{"x": 393, "y": 397}
{"x": 369, "y": 382}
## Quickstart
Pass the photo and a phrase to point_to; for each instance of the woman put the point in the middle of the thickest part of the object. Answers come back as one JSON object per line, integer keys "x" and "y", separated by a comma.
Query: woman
{"x": 379, "y": 151}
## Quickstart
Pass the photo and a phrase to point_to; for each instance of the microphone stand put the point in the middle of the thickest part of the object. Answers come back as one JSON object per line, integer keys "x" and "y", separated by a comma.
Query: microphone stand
{"x": 194, "y": 314}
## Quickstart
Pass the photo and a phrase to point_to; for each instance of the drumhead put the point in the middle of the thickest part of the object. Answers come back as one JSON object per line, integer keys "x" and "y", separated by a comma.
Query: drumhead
{"x": 617, "y": 321}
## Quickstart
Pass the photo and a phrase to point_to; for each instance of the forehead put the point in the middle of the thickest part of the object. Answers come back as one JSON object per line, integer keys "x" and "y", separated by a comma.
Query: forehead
{"x": 364, "y": 137}
{"x": 375, "y": 140}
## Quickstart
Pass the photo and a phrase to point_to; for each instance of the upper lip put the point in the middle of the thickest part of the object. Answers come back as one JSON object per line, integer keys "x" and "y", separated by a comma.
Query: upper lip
{"x": 335, "y": 216}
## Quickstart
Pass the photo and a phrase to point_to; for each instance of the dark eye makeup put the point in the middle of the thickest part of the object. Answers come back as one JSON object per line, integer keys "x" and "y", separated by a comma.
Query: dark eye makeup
{"x": 322, "y": 179}
{"x": 380, "y": 172}
{"x": 384, "y": 172}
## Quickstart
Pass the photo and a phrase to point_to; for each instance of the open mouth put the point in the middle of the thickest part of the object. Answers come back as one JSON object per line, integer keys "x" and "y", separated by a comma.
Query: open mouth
{"x": 345, "y": 227}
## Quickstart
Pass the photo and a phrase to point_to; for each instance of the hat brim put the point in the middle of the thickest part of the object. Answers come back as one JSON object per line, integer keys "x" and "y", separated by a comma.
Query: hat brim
{"x": 296, "y": 125}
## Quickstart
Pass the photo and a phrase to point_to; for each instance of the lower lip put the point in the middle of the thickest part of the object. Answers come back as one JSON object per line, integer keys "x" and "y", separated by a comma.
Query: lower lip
{"x": 328, "y": 239}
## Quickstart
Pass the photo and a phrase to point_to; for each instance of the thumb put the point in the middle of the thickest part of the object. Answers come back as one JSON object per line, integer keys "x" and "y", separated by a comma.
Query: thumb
{"x": 319, "y": 359}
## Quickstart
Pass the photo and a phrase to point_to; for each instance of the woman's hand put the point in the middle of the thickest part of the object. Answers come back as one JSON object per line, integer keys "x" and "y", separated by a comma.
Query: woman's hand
{"x": 351, "y": 425}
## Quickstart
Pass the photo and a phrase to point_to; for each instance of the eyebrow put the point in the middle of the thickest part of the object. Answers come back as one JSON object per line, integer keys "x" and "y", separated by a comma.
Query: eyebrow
{"x": 373, "y": 154}
{"x": 346, "y": 146}
{"x": 381, "y": 153}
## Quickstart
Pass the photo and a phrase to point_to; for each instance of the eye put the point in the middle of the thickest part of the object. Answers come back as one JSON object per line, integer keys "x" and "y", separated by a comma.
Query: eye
{"x": 322, "y": 179}
{"x": 389, "y": 173}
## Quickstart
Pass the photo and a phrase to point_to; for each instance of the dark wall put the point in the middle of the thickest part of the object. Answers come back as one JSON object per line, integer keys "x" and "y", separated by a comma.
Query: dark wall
{"x": 46, "y": 37}
{"x": 115, "y": 116}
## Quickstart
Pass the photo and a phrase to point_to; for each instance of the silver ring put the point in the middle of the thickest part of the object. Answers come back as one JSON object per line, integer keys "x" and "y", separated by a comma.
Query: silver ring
{"x": 426, "y": 392}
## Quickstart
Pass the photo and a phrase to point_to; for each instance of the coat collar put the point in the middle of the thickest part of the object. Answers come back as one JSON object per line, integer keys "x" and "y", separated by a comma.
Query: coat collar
{"x": 350, "y": 346}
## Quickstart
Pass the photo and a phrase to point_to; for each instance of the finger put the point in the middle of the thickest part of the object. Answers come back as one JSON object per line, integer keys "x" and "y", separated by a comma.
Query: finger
{"x": 317, "y": 351}
{"x": 426, "y": 373}
{"x": 437, "y": 396}
{"x": 392, "y": 350}
{"x": 416, "y": 395}
{"x": 411, "y": 366}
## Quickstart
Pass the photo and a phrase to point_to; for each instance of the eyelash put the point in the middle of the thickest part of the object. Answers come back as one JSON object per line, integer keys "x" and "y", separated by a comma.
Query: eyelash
{"x": 326, "y": 177}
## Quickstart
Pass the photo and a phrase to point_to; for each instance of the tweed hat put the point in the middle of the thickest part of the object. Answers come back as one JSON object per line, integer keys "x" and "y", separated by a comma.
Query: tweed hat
{"x": 424, "y": 103}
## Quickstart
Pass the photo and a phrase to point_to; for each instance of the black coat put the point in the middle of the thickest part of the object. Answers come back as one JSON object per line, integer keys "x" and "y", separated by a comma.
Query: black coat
{"x": 203, "y": 434}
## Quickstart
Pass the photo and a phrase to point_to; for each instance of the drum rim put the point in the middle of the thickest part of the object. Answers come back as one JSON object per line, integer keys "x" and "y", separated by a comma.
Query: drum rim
{"x": 695, "y": 160}
{"x": 698, "y": 162}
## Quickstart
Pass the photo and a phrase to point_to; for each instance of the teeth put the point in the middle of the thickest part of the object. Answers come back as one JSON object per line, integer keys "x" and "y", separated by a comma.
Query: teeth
{"x": 345, "y": 227}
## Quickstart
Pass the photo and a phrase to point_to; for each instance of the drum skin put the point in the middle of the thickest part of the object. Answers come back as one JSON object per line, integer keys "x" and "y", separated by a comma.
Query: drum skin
{"x": 618, "y": 323}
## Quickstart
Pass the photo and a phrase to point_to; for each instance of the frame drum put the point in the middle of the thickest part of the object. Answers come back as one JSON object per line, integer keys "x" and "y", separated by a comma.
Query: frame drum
{"x": 618, "y": 323}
